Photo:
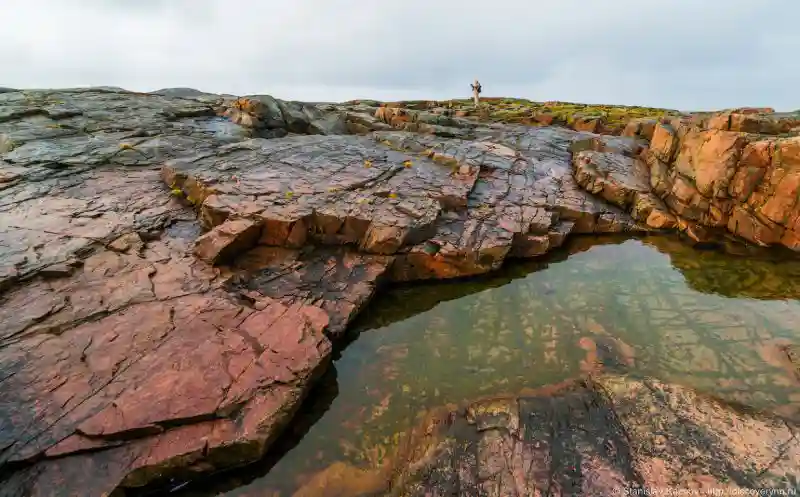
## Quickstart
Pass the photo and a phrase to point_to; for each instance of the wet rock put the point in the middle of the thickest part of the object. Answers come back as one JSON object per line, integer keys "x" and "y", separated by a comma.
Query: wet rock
{"x": 198, "y": 382}
{"x": 338, "y": 281}
{"x": 623, "y": 146}
{"x": 445, "y": 207}
{"x": 596, "y": 437}
{"x": 258, "y": 111}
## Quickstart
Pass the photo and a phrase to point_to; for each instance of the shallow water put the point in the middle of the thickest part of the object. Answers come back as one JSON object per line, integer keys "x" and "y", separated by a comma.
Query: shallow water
{"x": 651, "y": 306}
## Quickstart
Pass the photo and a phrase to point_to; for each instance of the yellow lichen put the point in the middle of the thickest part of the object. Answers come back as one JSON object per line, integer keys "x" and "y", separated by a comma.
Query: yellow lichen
{"x": 177, "y": 192}
{"x": 367, "y": 163}
{"x": 392, "y": 195}
{"x": 407, "y": 163}
{"x": 125, "y": 146}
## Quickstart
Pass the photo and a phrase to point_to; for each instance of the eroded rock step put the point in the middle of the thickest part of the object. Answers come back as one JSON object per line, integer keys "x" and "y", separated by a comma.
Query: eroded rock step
{"x": 339, "y": 281}
{"x": 442, "y": 207}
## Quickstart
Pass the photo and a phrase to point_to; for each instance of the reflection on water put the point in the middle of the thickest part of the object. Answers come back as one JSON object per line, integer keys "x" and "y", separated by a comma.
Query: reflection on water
{"x": 652, "y": 306}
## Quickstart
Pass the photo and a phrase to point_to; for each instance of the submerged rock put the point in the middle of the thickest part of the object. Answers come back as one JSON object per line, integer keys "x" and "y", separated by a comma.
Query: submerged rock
{"x": 599, "y": 436}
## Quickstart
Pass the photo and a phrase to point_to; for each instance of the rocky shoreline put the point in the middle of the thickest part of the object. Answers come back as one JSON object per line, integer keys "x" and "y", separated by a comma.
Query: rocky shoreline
{"x": 175, "y": 266}
{"x": 604, "y": 435}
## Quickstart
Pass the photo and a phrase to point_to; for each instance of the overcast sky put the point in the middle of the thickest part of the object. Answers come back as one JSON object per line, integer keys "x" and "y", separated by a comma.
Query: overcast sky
{"x": 684, "y": 54}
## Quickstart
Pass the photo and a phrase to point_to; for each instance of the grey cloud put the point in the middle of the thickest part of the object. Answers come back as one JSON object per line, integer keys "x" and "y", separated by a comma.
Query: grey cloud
{"x": 680, "y": 54}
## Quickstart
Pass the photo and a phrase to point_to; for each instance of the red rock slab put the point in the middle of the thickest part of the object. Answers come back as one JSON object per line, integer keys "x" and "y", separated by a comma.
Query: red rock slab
{"x": 210, "y": 380}
{"x": 309, "y": 166}
{"x": 336, "y": 279}
{"x": 623, "y": 181}
{"x": 524, "y": 191}
{"x": 227, "y": 240}
{"x": 140, "y": 355}
{"x": 52, "y": 222}
{"x": 407, "y": 195}
{"x": 615, "y": 177}
{"x": 465, "y": 244}
{"x": 328, "y": 190}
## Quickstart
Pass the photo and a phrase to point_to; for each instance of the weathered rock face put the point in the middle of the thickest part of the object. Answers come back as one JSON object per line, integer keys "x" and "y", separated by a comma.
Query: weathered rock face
{"x": 729, "y": 172}
{"x": 442, "y": 207}
{"x": 135, "y": 348}
{"x": 142, "y": 357}
{"x": 622, "y": 181}
{"x": 597, "y": 437}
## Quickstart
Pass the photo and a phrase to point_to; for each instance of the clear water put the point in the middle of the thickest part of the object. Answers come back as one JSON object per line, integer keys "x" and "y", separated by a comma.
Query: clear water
{"x": 699, "y": 318}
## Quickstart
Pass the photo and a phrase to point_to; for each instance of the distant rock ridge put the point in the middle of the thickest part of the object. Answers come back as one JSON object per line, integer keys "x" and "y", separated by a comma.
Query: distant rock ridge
{"x": 175, "y": 265}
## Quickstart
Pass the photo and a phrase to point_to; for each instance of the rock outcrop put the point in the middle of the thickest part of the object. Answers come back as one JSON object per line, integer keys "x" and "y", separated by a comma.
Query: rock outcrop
{"x": 737, "y": 172}
{"x": 174, "y": 265}
{"x": 601, "y": 436}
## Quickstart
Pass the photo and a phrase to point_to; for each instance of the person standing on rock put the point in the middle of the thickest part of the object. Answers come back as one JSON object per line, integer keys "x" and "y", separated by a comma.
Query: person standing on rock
{"x": 476, "y": 91}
